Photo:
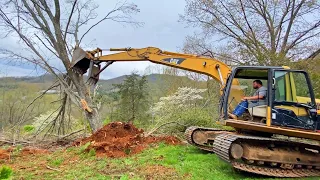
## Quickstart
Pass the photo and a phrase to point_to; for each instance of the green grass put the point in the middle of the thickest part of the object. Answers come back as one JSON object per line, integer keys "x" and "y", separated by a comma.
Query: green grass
{"x": 5, "y": 172}
{"x": 56, "y": 162}
{"x": 159, "y": 162}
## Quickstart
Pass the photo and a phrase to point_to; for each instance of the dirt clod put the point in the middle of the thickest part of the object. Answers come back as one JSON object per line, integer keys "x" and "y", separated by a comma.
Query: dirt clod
{"x": 118, "y": 139}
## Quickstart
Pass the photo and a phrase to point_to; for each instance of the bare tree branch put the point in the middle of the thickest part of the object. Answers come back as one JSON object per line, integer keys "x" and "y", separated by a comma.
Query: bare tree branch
{"x": 122, "y": 8}
{"x": 69, "y": 19}
{"x": 267, "y": 32}
{"x": 47, "y": 32}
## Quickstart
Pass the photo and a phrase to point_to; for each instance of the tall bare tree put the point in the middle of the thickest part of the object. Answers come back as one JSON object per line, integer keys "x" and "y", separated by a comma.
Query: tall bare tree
{"x": 48, "y": 31}
{"x": 260, "y": 32}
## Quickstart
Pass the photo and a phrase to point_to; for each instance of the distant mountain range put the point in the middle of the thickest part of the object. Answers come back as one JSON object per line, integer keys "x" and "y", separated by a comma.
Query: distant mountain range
{"x": 46, "y": 79}
{"x": 159, "y": 85}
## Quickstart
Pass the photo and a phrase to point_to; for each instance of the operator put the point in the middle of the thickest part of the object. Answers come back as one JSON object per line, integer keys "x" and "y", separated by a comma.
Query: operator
{"x": 258, "y": 99}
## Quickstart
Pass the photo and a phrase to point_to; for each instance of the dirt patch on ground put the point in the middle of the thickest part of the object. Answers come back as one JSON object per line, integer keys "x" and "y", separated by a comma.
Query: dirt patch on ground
{"x": 158, "y": 172}
{"x": 119, "y": 139}
{"x": 6, "y": 154}
{"x": 33, "y": 151}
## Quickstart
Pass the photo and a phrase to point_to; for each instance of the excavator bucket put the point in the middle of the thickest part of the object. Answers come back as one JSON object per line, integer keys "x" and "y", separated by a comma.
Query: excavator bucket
{"x": 80, "y": 61}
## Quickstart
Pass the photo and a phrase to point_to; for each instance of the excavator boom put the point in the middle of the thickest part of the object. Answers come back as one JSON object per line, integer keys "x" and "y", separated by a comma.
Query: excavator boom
{"x": 208, "y": 66}
{"x": 182, "y": 61}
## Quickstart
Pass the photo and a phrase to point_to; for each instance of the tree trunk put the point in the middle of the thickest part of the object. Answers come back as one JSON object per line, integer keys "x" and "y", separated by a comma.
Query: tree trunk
{"x": 94, "y": 120}
{"x": 83, "y": 91}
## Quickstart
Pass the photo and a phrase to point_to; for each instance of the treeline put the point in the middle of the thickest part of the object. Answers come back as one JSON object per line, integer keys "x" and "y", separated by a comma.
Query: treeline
{"x": 175, "y": 107}
{"x": 177, "y": 99}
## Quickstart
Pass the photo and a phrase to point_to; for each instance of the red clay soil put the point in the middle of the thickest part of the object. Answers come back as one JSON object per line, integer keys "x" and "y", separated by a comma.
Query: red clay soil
{"x": 5, "y": 154}
{"x": 119, "y": 139}
{"x": 33, "y": 151}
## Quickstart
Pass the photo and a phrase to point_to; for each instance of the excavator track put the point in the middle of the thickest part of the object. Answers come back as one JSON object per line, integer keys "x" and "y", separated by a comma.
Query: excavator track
{"x": 189, "y": 137}
{"x": 224, "y": 144}
{"x": 252, "y": 153}
{"x": 276, "y": 172}
{"x": 188, "y": 134}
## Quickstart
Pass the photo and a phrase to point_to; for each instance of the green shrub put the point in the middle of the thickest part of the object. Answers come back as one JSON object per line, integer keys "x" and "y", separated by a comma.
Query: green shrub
{"x": 5, "y": 172}
{"x": 83, "y": 148}
{"x": 28, "y": 128}
{"x": 127, "y": 151}
{"x": 92, "y": 152}
{"x": 106, "y": 121}
{"x": 194, "y": 117}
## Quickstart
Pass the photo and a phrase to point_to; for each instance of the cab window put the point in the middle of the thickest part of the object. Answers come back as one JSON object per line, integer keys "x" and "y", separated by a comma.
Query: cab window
{"x": 291, "y": 87}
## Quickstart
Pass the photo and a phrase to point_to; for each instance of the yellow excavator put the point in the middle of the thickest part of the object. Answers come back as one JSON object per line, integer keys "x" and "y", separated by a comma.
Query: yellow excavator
{"x": 278, "y": 138}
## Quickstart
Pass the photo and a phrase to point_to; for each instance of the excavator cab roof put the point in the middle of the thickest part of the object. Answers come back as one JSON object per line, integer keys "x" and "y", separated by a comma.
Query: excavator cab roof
{"x": 254, "y": 72}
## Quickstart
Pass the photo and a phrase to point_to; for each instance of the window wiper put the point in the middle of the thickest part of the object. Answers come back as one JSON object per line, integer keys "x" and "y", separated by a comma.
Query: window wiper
{"x": 304, "y": 105}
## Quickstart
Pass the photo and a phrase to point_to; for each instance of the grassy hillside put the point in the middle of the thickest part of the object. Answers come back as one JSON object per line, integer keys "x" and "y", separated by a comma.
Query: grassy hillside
{"x": 159, "y": 84}
{"x": 157, "y": 162}
{"x": 163, "y": 80}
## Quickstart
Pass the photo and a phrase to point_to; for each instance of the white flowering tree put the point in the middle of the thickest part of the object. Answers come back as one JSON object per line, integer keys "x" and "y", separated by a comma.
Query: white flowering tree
{"x": 184, "y": 107}
{"x": 184, "y": 98}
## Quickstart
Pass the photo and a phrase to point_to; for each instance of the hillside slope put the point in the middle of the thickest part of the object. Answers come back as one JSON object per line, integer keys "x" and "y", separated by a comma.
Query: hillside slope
{"x": 157, "y": 82}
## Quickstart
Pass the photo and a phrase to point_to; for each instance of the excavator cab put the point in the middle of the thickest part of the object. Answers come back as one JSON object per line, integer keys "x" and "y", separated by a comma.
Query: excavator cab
{"x": 245, "y": 76}
{"x": 290, "y": 100}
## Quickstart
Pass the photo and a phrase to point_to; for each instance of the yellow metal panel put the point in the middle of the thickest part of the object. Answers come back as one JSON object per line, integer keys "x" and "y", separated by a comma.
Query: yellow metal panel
{"x": 293, "y": 88}
{"x": 288, "y": 88}
{"x": 299, "y": 111}
{"x": 260, "y": 127}
{"x": 268, "y": 116}
{"x": 286, "y": 67}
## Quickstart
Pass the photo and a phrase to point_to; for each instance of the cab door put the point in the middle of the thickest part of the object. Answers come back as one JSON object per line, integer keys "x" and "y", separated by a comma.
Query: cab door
{"x": 293, "y": 103}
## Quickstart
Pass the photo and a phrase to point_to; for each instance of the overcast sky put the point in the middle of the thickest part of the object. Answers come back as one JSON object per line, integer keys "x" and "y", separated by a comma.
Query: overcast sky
{"x": 161, "y": 29}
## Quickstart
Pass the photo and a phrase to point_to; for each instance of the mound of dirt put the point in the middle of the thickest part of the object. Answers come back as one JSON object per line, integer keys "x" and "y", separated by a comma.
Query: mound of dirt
{"x": 118, "y": 139}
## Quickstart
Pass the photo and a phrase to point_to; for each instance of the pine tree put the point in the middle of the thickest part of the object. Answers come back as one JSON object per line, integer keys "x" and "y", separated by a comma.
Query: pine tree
{"x": 133, "y": 94}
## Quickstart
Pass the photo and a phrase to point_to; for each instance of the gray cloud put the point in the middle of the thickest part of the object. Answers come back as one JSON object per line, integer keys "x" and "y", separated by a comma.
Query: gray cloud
{"x": 16, "y": 71}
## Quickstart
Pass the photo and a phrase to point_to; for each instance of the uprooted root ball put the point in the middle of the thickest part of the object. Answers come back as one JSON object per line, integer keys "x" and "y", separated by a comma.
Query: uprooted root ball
{"x": 118, "y": 139}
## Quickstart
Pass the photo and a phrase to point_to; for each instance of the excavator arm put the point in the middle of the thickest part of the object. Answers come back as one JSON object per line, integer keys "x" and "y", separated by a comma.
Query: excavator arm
{"x": 84, "y": 60}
